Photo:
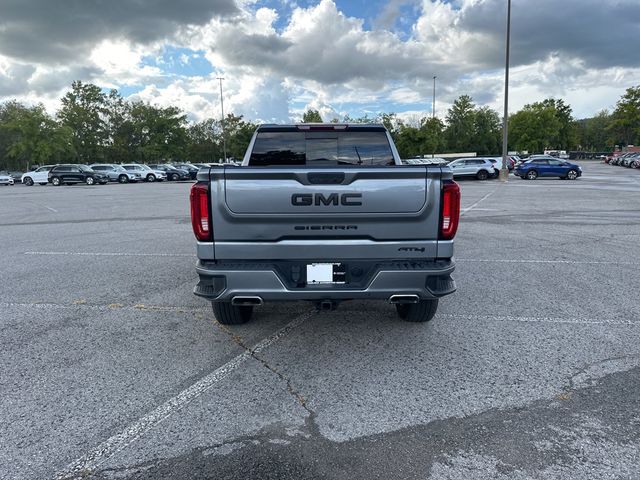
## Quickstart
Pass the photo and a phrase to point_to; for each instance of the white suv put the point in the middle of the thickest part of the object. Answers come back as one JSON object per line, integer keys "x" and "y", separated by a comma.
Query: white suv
{"x": 116, "y": 173}
{"x": 480, "y": 168}
{"x": 146, "y": 173}
{"x": 39, "y": 175}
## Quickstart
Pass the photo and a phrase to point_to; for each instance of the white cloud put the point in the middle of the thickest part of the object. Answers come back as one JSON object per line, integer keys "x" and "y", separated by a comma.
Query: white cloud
{"x": 120, "y": 63}
{"x": 579, "y": 50}
{"x": 184, "y": 93}
{"x": 265, "y": 100}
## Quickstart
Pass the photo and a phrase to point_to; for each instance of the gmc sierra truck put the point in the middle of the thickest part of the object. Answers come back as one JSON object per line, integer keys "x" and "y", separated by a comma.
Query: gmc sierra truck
{"x": 324, "y": 213}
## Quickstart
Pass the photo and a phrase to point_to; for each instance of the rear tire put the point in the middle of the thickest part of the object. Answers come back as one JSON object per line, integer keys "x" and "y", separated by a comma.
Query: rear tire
{"x": 420, "y": 312}
{"x": 228, "y": 314}
{"x": 482, "y": 175}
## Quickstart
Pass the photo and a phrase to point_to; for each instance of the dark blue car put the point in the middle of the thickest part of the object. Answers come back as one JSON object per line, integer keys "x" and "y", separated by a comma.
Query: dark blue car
{"x": 547, "y": 167}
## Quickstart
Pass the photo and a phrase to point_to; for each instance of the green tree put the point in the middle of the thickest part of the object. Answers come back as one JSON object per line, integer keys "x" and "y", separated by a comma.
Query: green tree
{"x": 594, "y": 132}
{"x": 83, "y": 111}
{"x": 460, "y": 125}
{"x": 487, "y": 131}
{"x": 424, "y": 139}
{"x": 625, "y": 125}
{"x": 566, "y": 136}
{"x": 33, "y": 137}
{"x": 543, "y": 125}
{"x": 205, "y": 141}
{"x": 391, "y": 122}
{"x": 364, "y": 119}
{"x": 432, "y": 140}
{"x": 7, "y": 136}
{"x": 239, "y": 135}
{"x": 312, "y": 116}
{"x": 409, "y": 141}
{"x": 533, "y": 128}
{"x": 158, "y": 134}
{"x": 119, "y": 129}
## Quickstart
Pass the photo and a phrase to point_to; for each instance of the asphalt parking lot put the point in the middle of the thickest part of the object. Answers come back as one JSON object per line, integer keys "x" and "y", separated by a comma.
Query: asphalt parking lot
{"x": 112, "y": 368}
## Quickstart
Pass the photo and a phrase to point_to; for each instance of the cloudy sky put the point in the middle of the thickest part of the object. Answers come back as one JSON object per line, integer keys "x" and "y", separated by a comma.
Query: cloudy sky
{"x": 357, "y": 57}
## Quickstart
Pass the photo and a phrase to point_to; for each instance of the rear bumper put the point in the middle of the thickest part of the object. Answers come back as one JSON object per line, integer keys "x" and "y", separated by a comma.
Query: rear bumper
{"x": 272, "y": 281}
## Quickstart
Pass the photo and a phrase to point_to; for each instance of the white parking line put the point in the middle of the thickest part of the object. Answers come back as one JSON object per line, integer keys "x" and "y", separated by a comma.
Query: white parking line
{"x": 87, "y": 306}
{"x": 512, "y": 318}
{"x": 570, "y": 262}
{"x": 468, "y": 209}
{"x": 114, "y": 254}
{"x": 93, "y": 459}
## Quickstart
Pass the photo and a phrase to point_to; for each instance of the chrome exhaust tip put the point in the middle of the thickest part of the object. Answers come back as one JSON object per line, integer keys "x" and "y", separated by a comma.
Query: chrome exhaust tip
{"x": 404, "y": 299}
{"x": 246, "y": 301}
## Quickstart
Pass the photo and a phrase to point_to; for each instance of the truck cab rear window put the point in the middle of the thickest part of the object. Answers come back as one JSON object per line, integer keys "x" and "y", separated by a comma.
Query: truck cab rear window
{"x": 320, "y": 149}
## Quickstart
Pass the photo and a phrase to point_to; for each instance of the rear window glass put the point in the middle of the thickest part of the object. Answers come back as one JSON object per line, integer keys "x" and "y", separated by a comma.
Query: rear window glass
{"x": 330, "y": 148}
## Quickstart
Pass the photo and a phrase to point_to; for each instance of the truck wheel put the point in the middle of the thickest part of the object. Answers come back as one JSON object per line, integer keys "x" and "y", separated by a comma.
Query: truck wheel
{"x": 423, "y": 311}
{"x": 228, "y": 314}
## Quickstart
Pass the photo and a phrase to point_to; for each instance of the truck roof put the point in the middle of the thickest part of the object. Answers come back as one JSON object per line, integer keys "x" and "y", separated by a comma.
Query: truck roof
{"x": 321, "y": 126}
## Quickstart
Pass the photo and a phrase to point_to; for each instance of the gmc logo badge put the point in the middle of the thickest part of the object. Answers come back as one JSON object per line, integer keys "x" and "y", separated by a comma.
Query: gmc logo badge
{"x": 317, "y": 199}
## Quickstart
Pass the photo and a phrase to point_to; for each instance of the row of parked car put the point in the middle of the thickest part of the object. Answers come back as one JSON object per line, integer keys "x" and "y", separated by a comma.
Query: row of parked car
{"x": 481, "y": 168}
{"x": 102, "y": 173}
{"x": 629, "y": 160}
{"x": 531, "y": 168}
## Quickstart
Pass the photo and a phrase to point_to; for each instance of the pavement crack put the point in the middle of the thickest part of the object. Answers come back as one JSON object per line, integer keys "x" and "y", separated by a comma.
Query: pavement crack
{"x": 297, "y": 396}
{"x": 601, "y": 368}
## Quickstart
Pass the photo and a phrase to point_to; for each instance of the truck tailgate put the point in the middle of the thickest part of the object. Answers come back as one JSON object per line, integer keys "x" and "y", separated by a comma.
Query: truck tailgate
{"x": 365, "y": 212}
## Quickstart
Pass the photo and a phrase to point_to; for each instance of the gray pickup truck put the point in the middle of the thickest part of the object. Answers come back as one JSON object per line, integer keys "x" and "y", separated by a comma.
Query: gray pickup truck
{"x": 324, "y": 213}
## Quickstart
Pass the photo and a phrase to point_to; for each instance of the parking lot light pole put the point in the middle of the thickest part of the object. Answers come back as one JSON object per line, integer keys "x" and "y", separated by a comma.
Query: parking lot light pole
{"x": 504, "y": 171}
{"x": 224, "y": 139}
{"x": 433, "y": 106}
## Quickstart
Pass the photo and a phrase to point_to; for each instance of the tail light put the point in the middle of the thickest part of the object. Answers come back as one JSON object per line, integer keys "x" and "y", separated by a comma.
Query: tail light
{"x": 200, "y": 218}
{"x": 450, "y": 210}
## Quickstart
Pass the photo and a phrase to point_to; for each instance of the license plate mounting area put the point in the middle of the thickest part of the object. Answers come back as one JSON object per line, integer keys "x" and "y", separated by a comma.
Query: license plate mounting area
{"x": 326, "y": 273}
